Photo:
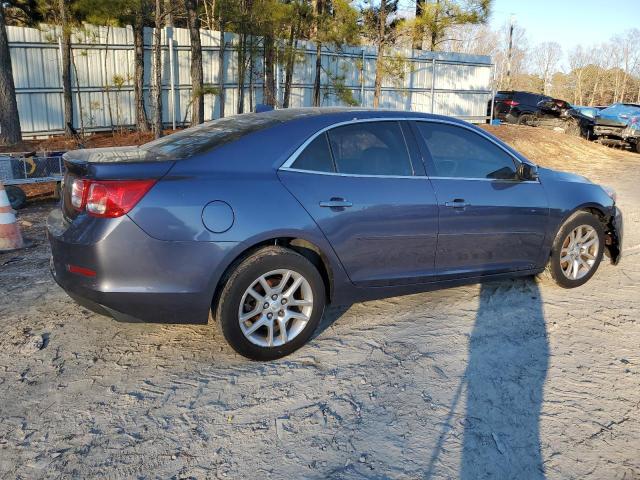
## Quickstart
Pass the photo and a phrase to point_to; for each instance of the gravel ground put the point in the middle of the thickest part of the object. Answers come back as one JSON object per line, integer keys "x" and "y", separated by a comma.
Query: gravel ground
{"x": 512, "y": 379}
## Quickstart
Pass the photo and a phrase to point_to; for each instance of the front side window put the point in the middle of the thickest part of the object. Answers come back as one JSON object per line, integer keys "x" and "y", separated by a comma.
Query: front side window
{"x": 370, "y": 148}
{"x": 458, "y": 152}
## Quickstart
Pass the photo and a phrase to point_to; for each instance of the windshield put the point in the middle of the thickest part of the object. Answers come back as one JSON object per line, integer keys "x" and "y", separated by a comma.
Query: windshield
{"x": 208, "y": 135}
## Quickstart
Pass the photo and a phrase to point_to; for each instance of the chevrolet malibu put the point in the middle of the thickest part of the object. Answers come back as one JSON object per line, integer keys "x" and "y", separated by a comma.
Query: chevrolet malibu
{"x": 260, "y": 220}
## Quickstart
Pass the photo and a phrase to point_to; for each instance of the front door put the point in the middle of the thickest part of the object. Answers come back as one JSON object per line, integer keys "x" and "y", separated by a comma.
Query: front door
{"x": 367, "y": 193}
{"x": 490, "y": 221}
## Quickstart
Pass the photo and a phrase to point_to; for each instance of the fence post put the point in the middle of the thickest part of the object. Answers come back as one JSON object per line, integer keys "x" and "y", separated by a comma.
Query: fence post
{"x": 171, "y": 79}
{"x": 494, "y": 87}
{"x": 433, "y": 84}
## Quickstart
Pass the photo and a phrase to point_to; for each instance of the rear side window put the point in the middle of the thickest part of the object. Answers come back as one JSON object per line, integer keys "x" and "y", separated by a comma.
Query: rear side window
{"x": 370, "y": 148}
{"x": 458, "y": 152}
{"x": 316, "y": 157}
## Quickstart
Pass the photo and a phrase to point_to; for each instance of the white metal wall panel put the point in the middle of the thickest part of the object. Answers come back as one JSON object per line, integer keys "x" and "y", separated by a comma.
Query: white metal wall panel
{"x": 462, "y": 86}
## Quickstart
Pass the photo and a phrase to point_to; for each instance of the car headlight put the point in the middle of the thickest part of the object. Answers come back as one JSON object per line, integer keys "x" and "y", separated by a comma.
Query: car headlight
{"x": 611, "y": 192}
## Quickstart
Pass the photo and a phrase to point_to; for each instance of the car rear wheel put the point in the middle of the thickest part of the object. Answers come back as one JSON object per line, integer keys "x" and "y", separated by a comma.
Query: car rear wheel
{"x": 577, "y": 250}
{"x": 526, "y": 119}
{"x": 271, "y": 304}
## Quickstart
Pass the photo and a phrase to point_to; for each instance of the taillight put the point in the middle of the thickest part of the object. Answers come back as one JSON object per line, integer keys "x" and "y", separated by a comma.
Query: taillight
{"x": 511, "y": 103}
{"x": 79, "y": 193}
{"x": 108, "y": 198}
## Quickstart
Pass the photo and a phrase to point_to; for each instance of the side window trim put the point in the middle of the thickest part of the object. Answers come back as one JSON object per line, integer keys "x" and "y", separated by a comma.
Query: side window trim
{"x": 429, "y": 161}
{"x": 414, "y": 150}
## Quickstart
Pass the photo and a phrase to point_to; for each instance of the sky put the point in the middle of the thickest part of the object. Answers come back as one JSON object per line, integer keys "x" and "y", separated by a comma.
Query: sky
{"x": 569, "y": 22}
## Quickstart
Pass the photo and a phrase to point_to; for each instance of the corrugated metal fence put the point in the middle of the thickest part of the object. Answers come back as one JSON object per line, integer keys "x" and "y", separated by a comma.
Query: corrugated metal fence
{"x": 103, "y": 72}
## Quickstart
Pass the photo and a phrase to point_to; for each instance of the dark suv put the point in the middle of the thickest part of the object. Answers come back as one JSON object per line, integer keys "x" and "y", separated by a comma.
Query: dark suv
{"x": 517, "y": 107}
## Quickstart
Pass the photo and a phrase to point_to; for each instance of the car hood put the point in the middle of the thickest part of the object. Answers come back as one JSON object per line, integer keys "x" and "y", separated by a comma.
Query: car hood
{"x": 560, "y": 176}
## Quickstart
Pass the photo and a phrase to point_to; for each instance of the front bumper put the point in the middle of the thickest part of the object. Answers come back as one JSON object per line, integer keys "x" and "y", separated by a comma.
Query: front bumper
{"x": 138, "y": 278}
{"x": 613, "y": 236}
{"x": 608, "y": 131}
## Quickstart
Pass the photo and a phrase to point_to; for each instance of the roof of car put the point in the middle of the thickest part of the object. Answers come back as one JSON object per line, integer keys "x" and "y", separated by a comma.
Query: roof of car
{"x": 347, "y": 113}
{"x": 205, "y": 136}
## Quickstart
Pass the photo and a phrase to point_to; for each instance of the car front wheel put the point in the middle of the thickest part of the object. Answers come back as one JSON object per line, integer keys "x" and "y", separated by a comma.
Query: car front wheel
{"x": 271, "y": 304}
{"x": 577, "y": 250}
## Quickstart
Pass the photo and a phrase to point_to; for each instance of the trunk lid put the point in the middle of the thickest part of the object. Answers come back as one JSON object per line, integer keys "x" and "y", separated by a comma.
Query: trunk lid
{"x": 118, "y": 163}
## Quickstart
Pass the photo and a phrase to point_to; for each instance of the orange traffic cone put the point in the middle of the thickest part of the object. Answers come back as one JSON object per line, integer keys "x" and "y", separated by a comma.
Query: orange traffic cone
{"x": 10, "y": 236}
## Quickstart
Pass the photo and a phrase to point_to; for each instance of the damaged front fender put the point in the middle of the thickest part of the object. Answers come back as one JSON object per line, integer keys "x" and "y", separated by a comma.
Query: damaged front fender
{"x": 613, "y": 237}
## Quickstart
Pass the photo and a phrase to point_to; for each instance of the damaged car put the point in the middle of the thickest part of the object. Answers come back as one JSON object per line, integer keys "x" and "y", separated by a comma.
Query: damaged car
{"x": 260, "y": 220}
{"x": 536, "y": 110}
{"x": 619, "y": 124}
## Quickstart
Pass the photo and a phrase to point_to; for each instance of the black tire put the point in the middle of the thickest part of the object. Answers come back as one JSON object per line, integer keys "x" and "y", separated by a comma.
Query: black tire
{"x": 554, "y": 266}
{"x": 17, "y": 197}
{"x": 243, "y": 276}
{"x": 637, "y": 146}
{"x": 526, "y": 119}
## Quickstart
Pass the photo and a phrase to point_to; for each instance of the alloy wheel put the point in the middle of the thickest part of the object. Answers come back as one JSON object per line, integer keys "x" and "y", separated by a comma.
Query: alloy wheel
{"x": 579, "y": 252}
{"x": 275, "y": 308}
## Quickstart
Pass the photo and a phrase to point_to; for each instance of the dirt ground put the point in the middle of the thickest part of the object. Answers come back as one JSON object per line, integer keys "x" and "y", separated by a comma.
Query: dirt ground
{"x": 512, "y": 379}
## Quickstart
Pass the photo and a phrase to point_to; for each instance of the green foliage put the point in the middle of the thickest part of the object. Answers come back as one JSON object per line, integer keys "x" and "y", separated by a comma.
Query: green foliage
{"x": 395, "y": 67}
{"x": 338, "y": 87}
{"x": 119, "y": 81}
{"x": 434, "y": 18}
{"x": 205, "y": 90}
{"x": 338, "y": 25}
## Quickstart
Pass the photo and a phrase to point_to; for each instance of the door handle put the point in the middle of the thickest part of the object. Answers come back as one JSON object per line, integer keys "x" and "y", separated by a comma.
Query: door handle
{"x": 336, "y": 203}
{"x": 457, "y": 203}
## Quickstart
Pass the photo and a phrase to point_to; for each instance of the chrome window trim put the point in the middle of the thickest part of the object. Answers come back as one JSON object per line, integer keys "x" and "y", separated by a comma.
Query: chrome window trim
{"x": 336, "y": 174}
{"x": 504, "y": 180}
{"x": 286, "y": 166}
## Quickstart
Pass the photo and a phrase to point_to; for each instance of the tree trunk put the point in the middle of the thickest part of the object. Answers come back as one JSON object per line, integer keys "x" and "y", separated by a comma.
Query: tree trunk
{"x": 197, "y": 93}
{"x": 221, "y": 93}
{"x": 9, "y": 117}
{"x": 316, "y": 80}
{"x": 242, "y": 51}
{"x": 290, "y": 59}
{"x": 157, "y": 72}
{"x": 318, "y": 8}
{"x": 142, "y": 122}
{"x": 382, "y": 29}
{"x": 107, "y": 86}
{"x": 435, "y": 28}
{"x": 67, "y": 95}
{"x": 269, "y": 71}
{"x": 418, "y": 39}
{"x": 377, "y": 86}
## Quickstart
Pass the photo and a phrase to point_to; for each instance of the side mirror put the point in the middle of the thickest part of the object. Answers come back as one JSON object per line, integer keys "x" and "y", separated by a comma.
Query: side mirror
{"x": 527, "y": 171}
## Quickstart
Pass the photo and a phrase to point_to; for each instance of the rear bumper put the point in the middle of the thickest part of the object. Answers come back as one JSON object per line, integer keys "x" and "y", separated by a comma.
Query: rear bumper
{"x": 137, "y": 278}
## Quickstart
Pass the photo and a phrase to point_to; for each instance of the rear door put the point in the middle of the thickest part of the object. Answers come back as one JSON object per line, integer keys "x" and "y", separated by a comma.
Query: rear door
{"x": 366, "y": 189}
{"x": 490, "y": 221}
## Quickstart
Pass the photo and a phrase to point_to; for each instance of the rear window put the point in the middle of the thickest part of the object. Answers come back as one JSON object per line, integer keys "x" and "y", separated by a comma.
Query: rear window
{"x": 207, "y": 136}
